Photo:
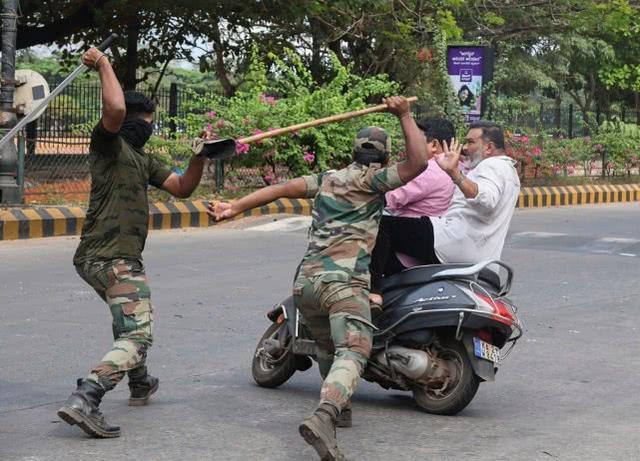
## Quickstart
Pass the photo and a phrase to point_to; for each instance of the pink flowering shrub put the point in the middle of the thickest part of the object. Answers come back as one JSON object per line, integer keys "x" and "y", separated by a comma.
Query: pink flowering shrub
{"x": 278, "y": 92}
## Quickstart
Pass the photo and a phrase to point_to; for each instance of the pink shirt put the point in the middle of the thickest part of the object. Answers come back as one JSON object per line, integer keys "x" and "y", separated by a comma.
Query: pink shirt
{"x": 428, "y": 194}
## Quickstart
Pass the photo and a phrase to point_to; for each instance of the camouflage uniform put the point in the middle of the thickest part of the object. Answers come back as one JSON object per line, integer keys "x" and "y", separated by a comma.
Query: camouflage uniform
{"x": 331, "y": 289}
{"x": 122, "y": 284}
{"x": 109, "y": 257}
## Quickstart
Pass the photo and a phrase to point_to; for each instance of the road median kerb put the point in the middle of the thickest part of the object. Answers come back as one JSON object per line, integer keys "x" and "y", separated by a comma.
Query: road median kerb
{"x": 53, "y": 221}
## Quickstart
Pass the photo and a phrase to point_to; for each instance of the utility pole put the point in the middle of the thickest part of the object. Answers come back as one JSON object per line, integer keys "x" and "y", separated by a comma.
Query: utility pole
{"x": 9, "y": 190}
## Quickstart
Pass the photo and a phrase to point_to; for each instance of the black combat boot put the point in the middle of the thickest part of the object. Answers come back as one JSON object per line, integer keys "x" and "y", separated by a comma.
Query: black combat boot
{"x": 344, "y": 418}
{"x": 319, "y": 431}
{"x": 81, "y": 408}
{"x": 141, "y": 385}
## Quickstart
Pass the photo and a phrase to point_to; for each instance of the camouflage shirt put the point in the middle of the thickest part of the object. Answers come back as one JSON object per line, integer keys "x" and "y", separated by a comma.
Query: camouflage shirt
{"x": 346, "y": 213}
{"x": 118, "y": 215}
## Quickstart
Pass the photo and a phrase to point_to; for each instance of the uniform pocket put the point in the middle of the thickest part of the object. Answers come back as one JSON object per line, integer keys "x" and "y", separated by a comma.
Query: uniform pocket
{"x": 331, "y": 288}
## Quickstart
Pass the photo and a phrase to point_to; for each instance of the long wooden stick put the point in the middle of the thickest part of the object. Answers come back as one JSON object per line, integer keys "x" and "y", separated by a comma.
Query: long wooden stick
{"x": 29, "y": 117}
{"x": 320, "y": 121}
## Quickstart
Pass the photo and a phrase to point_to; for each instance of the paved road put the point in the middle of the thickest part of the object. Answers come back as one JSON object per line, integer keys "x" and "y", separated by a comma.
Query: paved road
{"x": 568, "y": 392}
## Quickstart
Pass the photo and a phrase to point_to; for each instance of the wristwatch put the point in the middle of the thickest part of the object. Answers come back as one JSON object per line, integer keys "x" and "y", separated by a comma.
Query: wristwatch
{"x": 458, "y": 182}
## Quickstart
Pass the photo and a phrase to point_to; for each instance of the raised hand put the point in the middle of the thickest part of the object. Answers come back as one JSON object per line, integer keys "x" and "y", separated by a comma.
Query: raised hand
{"x": 450, "y": 156}
{"x": 94, "y": 58}
{"x": 398, "y": 105}
{"x": 220, "y": 210}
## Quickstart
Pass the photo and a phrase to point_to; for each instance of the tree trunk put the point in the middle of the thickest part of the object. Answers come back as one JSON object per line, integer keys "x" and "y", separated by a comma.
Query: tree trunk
{"x": 131, "y": 60}
{"x": 220, "y": 69}
{"x": 316, "y": 48}
{"x": 558, "y": 114}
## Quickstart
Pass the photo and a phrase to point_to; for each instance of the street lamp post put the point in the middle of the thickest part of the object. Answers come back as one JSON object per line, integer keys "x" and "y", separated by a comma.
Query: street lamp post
{"x": 9, "y": 190}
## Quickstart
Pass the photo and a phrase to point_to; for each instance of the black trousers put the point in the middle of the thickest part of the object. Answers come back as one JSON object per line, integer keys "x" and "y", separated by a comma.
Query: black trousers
{"x": 411, "y": 236}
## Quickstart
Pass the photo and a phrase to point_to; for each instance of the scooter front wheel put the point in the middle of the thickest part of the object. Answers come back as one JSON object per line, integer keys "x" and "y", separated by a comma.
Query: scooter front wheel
{"x": 456, "y": 393}
{"x": 269, "y": 367}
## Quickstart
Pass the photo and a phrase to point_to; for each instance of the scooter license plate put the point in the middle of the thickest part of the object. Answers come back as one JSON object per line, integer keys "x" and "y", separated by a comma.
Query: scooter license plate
{"x": 485, "y": 350}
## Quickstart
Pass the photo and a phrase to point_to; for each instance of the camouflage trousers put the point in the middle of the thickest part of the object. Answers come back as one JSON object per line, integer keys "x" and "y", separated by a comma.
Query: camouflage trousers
{"x": 122, "y": 284}
{"x": 336, "y": 311}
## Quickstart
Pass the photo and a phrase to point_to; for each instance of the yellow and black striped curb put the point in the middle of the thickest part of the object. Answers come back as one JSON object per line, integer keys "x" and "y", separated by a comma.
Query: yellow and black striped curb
{"x": 33, "y": 222}
{"x": 535, "y": 197}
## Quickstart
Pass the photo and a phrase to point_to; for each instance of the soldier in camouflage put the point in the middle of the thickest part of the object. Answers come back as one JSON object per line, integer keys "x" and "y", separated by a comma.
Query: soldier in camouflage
{"x": 109, "y": 257}
{"x": 331, "y": 289}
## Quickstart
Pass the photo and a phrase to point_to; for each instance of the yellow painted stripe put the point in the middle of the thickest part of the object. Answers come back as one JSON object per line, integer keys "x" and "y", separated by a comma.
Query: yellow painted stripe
{"x": 549, "y": 194}
{"x": 59, "y": 221}
{"x": 287, "y": 204}
{"x": 612, "y": 193}
{"x": 538, "y": 192}
{"x": 10, "y": 225}
{"x": 200, "y": 206}
{"x": 618, "y": 193}
{"x": 556, "y": 193}
{"x": 629, "y": 188}
{"x": 273, "y": 208}
{"x": 166, "y": 215}
{"x": 584, "y": 198}
{"x": 542, "y": 193}
{"x": 572, "y": 195}
{"x": 185, "y": 216}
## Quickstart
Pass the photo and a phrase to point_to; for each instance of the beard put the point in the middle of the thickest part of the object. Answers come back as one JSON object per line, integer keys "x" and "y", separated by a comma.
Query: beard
{"x": 472, "y": 160}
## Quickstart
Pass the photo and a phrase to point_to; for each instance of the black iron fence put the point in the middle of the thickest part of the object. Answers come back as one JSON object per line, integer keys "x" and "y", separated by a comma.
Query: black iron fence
{"x": 566, "y": 120}
{"x": 57, "y": 143}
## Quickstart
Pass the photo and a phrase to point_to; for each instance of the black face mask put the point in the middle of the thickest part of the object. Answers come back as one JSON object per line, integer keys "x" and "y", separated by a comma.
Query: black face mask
{"x": 136, "y": 131}
{"x": 366, "y": 158}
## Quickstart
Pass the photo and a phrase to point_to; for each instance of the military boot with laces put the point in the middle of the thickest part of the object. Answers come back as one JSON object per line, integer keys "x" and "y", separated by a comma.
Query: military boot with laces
{"x": 319, "y": 431}
{"x": 81, "y": 408}
{"x": 142, "y": 385}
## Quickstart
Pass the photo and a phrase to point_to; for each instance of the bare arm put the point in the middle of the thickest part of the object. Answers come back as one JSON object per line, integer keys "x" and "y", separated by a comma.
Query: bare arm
{"x": 182, "y": 186}
{"x": 113, "y": 107}
{"x": 416, "y": 149}
{"x": 295, "y": 188}
{"x": 466, "y": 186}
{"x": 415, "y": 142}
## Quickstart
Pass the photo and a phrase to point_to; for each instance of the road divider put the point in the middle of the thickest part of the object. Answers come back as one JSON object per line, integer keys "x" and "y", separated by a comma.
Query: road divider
{"x": 54, "y": 221}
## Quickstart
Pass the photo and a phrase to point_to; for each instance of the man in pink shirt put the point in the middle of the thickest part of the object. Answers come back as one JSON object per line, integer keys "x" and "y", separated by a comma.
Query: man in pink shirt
{"x": 406, "y": 233}
{"x": 427, "y": 195}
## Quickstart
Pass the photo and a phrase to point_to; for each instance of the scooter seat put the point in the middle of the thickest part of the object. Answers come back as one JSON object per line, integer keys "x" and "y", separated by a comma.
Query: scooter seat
{"x": 424, "y": 274}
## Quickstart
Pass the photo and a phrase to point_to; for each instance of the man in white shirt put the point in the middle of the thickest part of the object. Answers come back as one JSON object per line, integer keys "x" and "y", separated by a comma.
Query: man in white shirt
{"x": 475, "y": 226}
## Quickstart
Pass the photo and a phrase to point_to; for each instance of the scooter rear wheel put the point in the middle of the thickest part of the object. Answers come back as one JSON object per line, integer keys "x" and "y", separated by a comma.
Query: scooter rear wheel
{"x": 456, "y": 396}
{"x": 270, "y": 371}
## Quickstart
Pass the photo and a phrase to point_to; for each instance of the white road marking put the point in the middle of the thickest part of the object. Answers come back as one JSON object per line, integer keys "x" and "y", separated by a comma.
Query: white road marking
{"x": 603, "y": 245}
{"x": 284, "y": 225}
{"x": 539, "y": 234}
{"x": 619, "y": 240}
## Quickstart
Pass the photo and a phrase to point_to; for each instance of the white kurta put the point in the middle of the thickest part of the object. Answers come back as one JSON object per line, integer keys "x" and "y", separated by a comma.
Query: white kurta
{"x": 474, "y": 230}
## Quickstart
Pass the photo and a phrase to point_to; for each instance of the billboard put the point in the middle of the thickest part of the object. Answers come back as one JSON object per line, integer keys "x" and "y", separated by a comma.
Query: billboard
{"x": 470, "y": 67}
